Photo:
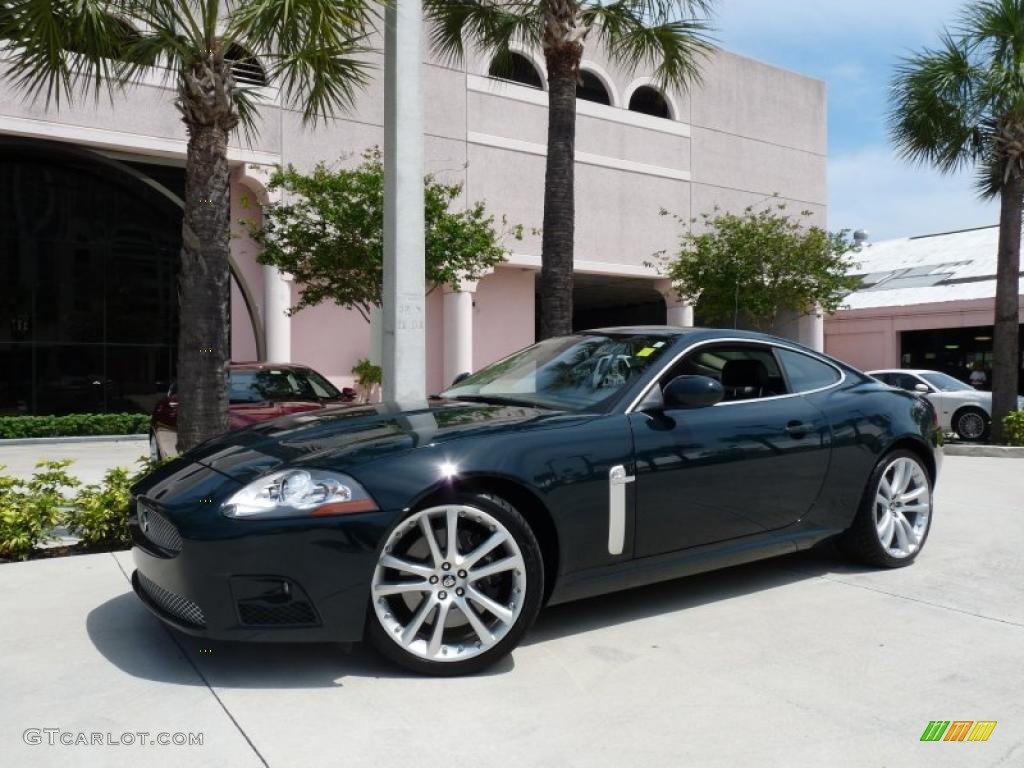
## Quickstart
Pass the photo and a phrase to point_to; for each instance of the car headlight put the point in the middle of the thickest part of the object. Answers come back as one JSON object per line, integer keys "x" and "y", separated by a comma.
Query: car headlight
{"x": 299, "y": 493}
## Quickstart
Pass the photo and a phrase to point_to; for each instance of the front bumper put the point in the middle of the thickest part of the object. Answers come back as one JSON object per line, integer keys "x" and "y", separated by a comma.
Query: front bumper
{"x": 296, "y": 580}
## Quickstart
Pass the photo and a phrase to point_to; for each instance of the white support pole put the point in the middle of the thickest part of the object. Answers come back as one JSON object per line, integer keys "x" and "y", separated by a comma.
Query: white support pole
{"x": 811, "y": 329}
{"x": 404, "y": 344}
{"x": 277, "y": 323}
{"x": 458, "y": 332}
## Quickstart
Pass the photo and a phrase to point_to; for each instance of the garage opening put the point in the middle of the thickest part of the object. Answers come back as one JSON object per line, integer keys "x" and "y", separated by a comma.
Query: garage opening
{"x": 604, "y": 301}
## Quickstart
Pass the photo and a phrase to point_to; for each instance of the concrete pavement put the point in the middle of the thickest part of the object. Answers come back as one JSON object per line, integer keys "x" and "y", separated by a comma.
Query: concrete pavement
{"x": 92, "y": 457}
{"x": 800, "y": 661}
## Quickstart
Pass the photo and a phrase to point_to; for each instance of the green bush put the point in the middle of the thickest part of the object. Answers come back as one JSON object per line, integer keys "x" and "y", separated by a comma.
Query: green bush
{"x": 74, "y": 424}
{"x": 100, "y": 514}
{"x": 1013, "y": 428}
{"x": 100, "y": 517}
{"x": 30, "y": 510}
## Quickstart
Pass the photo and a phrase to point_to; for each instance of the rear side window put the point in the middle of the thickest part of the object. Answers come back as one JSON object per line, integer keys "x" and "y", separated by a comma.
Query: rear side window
{"x": 806, "y": 373}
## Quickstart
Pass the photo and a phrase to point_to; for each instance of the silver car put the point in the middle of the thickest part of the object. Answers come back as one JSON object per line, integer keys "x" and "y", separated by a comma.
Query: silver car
{"x": 962, "y": 409}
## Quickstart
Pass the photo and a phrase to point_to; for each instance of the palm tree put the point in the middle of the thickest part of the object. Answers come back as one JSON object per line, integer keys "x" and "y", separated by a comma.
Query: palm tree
{"x": 961, "y": 105}
{"x": 67, "y": 49}
{"x": 669, "y": 36}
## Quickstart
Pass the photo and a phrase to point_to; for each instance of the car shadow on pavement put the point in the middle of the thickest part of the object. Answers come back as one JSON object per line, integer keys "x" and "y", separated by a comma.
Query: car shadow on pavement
{"x": 667, "y": 597}
{"x": 134, "y": 641}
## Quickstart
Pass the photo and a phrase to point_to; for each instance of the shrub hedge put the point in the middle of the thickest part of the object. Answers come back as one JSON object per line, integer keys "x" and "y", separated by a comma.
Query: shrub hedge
{"x": 31, "y": 509}
{"x": 1013, "y": 428}
{"x": 74, "y": 424}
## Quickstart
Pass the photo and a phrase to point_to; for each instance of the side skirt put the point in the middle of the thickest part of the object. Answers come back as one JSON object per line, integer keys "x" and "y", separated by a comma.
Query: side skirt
{"x": 687, "y": 562}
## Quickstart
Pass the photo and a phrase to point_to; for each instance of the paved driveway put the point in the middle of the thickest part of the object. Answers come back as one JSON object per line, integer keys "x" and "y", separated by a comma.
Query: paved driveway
{"x": 90, "y": 458}
{"x": 801, "y": 661}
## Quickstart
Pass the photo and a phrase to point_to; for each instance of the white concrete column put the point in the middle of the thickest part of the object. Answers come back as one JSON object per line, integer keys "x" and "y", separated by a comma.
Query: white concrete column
{"x": 678, "y": 312}
{"x": 811, "y": 329}
{"x": 404, "y": 347}
{"x": 458, "y": 330}
{"x": 277, "y": 323}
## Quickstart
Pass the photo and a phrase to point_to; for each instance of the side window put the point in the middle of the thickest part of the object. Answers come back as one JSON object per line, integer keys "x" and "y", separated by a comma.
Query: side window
{"x": 905, "y": 381}
{"x": 806, "y": 373}
{"x": 745, "y": 371}
{"x": 886, "y": 378}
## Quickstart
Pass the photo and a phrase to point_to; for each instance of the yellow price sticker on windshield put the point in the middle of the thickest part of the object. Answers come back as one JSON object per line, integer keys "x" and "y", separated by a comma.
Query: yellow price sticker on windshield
{"x": 645, "y": 352}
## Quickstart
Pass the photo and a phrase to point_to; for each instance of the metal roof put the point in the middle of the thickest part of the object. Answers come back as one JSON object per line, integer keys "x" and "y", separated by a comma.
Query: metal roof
{"x": 950, "y": 266}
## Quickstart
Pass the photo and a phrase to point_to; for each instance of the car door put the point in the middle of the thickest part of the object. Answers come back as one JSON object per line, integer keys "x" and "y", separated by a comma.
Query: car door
{"x": 752, "y": 463}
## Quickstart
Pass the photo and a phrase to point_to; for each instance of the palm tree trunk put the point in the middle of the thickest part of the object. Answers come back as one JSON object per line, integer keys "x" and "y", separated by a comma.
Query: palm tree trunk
{"x": 559, "y": 192}
{"x": 204, "y": 290}
{"x": 1005, "y": 339}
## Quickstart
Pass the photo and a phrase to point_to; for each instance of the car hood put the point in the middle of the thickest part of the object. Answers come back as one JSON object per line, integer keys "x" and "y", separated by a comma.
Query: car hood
{"x": 345, "y": 437}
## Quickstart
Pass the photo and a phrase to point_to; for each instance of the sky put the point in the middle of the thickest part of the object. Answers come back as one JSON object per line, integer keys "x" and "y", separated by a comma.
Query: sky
{"x": 854, "y": 45}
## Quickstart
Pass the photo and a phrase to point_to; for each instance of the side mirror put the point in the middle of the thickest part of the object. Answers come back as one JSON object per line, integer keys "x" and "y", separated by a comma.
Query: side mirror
{"x": 460, "y": 378}
{"x": 923, "y": 388}
{"x": 692, "y": 392}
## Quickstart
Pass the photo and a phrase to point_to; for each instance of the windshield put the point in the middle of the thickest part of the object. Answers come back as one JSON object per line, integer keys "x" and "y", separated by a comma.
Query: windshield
{"x": 260, "y": 385}
{"x": 569, "y": 372}
{"x": 944, "y": 382}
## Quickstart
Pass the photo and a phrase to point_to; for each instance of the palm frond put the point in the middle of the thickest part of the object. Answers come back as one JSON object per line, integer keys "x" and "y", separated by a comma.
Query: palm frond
{"x": 936, "y": 114}
{"x": 314, "y": 48}
{"x": 491, "y": 26}
{"x": 668, "y": 37}
{"x": 64, "y": 47}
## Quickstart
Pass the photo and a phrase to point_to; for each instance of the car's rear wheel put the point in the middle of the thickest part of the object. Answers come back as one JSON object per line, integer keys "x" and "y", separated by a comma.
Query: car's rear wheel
{"x": 154, "y": 448}
{"x": 971, "y": 424}
{"x": 895, "y": 514}
{"x": 456, "y": 586}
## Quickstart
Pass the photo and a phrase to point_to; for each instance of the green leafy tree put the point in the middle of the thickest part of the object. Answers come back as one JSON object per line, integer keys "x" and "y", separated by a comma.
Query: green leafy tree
{"x": 61, "y": 50}
{"x": 329, "y": 234}
{"x": 961, "y": 105}
{"x": 666, "y": 36}
{"x": 753, "y": 267}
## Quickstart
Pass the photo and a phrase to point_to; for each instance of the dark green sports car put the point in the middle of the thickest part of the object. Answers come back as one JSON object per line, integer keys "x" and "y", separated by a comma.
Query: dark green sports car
{"x": 580, "y": 465}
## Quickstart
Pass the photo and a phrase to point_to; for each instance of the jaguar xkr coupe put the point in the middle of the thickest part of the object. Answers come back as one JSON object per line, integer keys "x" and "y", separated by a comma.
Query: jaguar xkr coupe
{"x": 580, "y": 465}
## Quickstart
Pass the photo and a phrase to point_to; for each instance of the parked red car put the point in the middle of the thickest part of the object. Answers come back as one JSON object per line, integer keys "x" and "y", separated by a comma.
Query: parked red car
{"x": 258, "y": 392}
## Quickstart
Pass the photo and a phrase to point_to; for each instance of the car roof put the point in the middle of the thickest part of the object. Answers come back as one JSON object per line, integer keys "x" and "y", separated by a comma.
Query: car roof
{"x": 256, "y": 365}
{"x": 678, "y": 332}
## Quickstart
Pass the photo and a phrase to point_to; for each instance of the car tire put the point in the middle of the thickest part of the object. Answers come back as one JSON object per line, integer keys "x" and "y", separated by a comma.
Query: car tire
{"x": 154, "y": 448}
{"x": 971, "y": 424}
{"x": 882, "y": 534}
{"x": 489, "y": 591}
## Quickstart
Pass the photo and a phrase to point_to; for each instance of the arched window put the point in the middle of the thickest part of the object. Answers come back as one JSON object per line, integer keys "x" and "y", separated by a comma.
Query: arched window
{"x": 245, "y": 67}
{"x": 517, "y": 68}
{"x": 649, "y": 101}
{"x": 590, "y": 88}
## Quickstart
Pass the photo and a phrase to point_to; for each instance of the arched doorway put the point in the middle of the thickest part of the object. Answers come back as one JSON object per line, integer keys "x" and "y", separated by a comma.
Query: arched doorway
{"x": 89, "y": 255}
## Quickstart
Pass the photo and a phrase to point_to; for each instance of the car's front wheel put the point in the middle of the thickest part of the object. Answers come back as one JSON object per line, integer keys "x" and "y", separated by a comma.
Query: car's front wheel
{"x": 895, "y": 513}
{"x": 456, "y": 586}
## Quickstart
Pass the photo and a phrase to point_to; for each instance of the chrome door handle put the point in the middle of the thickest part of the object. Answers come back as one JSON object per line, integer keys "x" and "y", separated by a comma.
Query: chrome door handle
{"x": 618, "y": 478}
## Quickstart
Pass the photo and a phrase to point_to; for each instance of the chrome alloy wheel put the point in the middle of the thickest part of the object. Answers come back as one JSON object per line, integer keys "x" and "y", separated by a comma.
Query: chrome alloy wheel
{"x": 971, "y": 425}
{"x": 903, "y": 504}
{"x": 449, "y": 584}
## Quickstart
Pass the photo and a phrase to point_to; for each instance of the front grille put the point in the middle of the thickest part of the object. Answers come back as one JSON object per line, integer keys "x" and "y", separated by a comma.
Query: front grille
{"x": 263, "y": 613}
{"x": 157, "y": 528}
{"x": 177, "y": 606}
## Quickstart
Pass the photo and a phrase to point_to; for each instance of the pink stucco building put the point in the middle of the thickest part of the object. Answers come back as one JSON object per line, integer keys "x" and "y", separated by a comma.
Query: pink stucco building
{"x": 927, "y": 302}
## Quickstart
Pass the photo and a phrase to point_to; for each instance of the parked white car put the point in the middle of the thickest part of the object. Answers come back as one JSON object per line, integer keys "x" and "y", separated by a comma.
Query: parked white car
{"x": 962, "y": 409}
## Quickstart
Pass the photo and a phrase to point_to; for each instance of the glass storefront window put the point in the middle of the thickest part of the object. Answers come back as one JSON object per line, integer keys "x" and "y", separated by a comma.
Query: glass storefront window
{"x": 89, "y": 256}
